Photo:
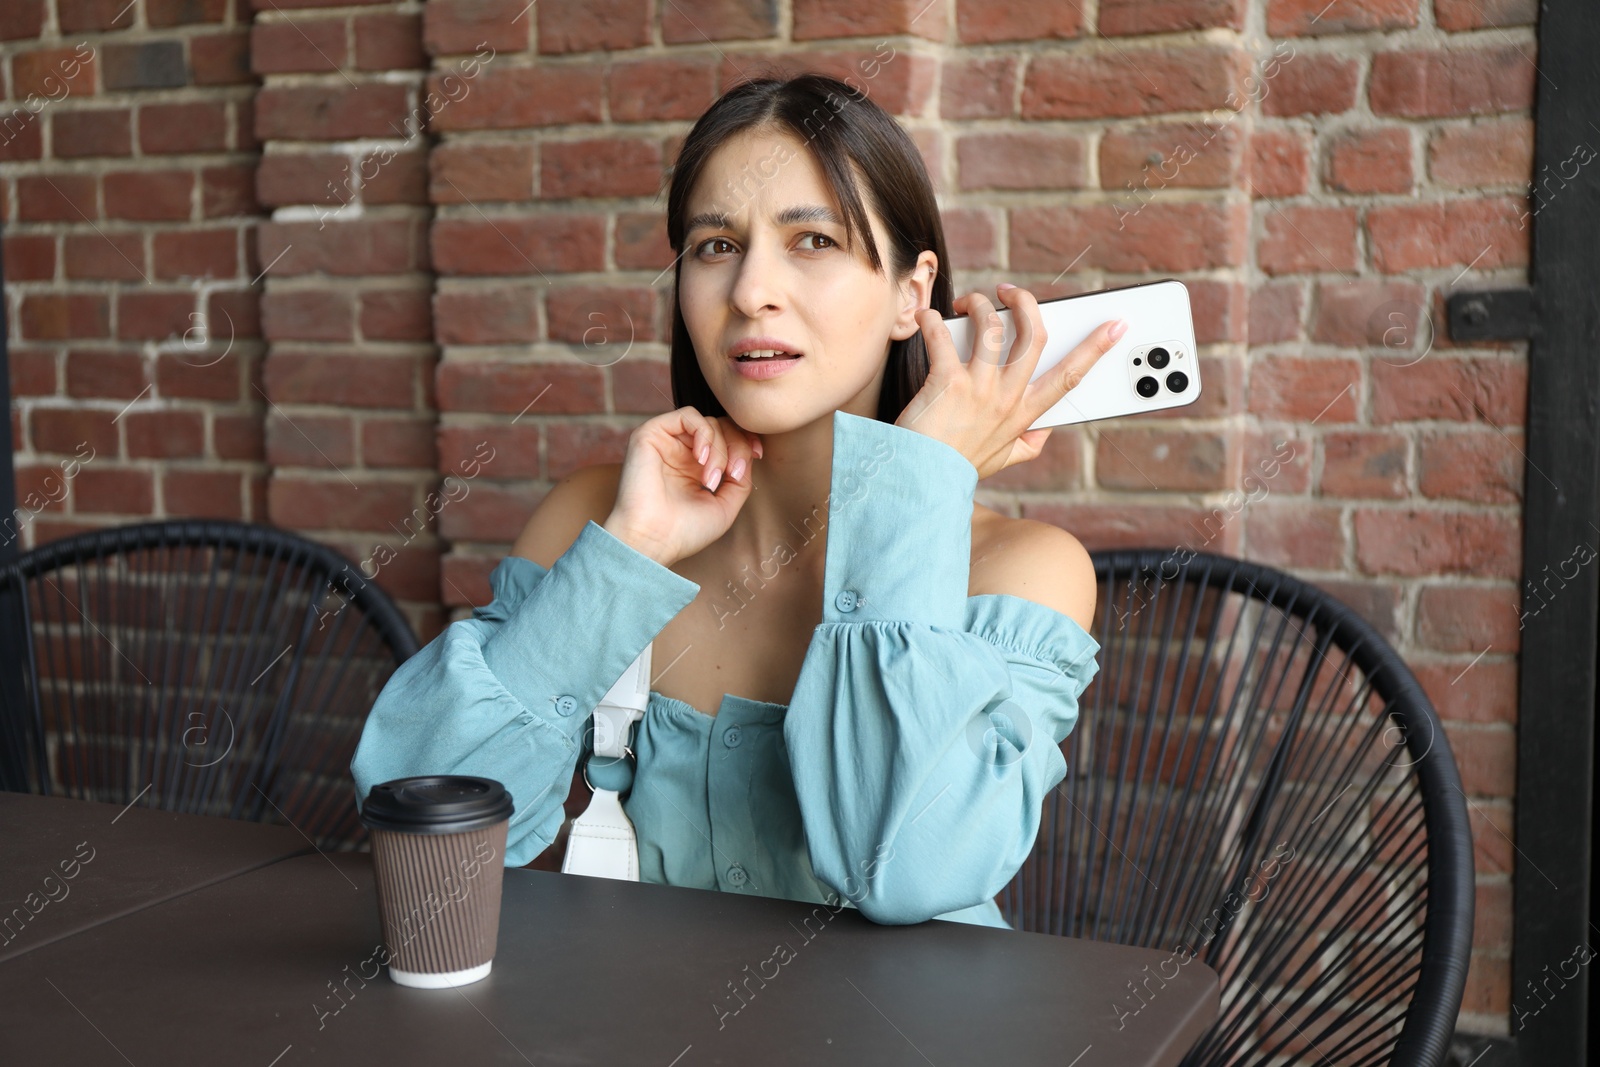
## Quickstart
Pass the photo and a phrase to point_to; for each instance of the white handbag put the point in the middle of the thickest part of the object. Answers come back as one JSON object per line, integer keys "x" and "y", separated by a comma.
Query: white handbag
{"x": 602, "y": 842}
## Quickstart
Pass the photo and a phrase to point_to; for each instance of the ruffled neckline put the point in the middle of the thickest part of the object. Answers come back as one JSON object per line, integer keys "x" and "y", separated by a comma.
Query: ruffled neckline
{"x": 744, "y": 709}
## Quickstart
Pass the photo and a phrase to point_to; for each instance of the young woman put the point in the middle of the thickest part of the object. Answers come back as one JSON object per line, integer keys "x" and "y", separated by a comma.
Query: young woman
{"x": 859, "y": 678}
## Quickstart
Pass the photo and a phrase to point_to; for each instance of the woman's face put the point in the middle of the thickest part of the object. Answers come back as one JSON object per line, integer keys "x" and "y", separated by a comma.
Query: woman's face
{"x": 765, "y": 257}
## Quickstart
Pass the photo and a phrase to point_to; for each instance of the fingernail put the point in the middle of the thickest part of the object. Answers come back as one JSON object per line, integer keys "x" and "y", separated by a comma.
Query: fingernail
{"x": 705, "y": 450}
{"x": 1005, "y": 285}
{"x": 716, "y": 476}
{"x": 737, "y": 470}
{"x": 759, "y": 450}
{"x": 1118, "y": 328}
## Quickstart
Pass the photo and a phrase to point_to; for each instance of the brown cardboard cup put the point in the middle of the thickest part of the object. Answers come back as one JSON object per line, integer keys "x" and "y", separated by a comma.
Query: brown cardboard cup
{"x": 438, "y": 849}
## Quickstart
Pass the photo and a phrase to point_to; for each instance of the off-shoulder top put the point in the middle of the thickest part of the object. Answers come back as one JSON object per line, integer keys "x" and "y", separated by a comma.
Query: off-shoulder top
{"x": 905, "y": 776}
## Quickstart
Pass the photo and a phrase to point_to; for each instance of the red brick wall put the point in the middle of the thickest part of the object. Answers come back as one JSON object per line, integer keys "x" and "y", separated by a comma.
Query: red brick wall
{"x": 128, "y": 149}
{"x": 1320, "y": 175}
{"x": 349, "y": 373}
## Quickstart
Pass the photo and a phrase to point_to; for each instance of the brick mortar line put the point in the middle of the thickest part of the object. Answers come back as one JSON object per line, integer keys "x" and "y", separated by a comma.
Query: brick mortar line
{"x": 336, "y": 79}
{"x": 278, "y": 15}
{"x": 1420, "y": 38}
{"x": 103, "y": 166}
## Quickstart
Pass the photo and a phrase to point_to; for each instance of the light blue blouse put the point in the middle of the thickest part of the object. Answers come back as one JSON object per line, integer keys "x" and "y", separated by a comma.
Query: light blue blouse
{"x": 904, "y": 777}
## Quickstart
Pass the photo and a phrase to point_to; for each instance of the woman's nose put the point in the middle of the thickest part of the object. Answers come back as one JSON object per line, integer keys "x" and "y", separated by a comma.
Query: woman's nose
{"x": 755, "y": 289}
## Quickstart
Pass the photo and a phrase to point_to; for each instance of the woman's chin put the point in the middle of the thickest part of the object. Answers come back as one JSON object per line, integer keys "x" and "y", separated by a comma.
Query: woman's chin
{"x": 770, "y": 415}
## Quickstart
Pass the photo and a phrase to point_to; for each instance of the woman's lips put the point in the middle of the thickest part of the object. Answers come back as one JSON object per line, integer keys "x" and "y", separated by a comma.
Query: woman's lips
{"x": 761, "y": 369}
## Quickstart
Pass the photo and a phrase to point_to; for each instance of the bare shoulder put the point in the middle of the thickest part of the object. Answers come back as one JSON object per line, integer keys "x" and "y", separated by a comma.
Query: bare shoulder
{"x": 584, "y": 495}
{"x": 1035, "y": 561}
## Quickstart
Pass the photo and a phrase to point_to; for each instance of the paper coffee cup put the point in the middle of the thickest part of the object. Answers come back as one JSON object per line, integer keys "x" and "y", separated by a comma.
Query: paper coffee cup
{"x": 438, "y": 850}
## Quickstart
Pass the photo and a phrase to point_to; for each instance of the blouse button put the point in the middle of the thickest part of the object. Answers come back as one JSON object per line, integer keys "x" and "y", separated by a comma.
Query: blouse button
{"x": 736, "y": 875}
{"x": 566, "y": 705}
{"x": 732, "y": 737}
{"x": 846, "y": 600}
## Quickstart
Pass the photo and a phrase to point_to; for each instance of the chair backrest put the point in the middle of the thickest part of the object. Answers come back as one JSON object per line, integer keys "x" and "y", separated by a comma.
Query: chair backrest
{"x": 1256, "y": 780}
{"x": 219, "y": 668}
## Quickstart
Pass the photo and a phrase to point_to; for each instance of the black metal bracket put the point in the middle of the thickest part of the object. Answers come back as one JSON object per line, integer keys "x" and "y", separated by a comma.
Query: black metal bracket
{"x": 1491, "y": 315}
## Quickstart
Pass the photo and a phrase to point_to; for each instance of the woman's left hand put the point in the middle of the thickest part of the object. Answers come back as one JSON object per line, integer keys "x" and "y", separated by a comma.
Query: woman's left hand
{"x": 983, "y": 408}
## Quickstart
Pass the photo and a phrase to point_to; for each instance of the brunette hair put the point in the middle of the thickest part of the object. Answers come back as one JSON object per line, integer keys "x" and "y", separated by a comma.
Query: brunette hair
{"x": 839, "y": 126}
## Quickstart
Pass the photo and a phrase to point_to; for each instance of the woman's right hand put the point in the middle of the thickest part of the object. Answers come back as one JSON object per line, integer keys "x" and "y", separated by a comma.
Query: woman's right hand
{"x": 684, "y": 479}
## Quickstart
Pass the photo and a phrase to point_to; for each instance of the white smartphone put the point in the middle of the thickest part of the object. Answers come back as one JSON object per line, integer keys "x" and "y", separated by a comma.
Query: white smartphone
{"x": 1151, "y": 367}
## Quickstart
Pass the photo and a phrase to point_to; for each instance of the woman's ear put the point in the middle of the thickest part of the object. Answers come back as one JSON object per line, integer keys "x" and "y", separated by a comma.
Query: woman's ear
{"x": 915, "y": 293}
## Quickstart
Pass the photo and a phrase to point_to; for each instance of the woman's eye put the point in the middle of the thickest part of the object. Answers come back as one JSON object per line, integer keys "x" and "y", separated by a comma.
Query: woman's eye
{"x": 713, "y": 241}
{"x": 822, "y": 237}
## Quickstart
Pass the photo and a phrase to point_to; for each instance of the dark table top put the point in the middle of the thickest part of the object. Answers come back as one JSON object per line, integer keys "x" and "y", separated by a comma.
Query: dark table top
{"x": 67, "y": 865}
{"x": 277, "y": 966}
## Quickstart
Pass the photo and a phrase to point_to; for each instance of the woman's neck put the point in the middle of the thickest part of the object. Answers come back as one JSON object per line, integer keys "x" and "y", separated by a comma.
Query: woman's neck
{"x": 788, "y": 504}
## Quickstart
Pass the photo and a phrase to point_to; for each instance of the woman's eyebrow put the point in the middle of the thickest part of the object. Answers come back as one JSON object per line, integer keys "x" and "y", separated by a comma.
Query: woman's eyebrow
{"x": 789, "y": 216}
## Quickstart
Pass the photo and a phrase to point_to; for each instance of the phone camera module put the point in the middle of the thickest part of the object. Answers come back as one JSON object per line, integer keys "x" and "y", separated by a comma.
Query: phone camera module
{"x": 1158, "y": 357}
{"x": 1148, "y": 387}
{"x": 1177, "y": 381}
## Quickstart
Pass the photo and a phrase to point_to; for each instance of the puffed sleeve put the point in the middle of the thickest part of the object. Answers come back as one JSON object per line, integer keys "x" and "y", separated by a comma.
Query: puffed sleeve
{"x": 924, "y": 728}
{"x": 508, "y": 693}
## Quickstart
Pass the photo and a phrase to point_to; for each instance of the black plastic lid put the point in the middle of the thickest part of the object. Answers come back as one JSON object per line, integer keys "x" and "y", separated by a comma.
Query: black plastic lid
{"x": 436, "y": 804}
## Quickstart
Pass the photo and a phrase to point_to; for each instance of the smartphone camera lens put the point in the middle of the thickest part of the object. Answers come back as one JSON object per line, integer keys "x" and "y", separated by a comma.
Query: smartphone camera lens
{"x": 1158, "y": 358}
{"x": 1148, "y": 387}
{"x": 1177, "y": 381}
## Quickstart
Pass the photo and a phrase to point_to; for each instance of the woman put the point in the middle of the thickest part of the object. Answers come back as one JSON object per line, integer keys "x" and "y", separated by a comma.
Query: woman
{"x": 859, "y": 679}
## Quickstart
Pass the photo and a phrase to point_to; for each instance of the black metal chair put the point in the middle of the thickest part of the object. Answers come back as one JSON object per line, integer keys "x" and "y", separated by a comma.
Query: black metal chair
{"x": 1257, "y": 781}
{"x": 219, "y": 668}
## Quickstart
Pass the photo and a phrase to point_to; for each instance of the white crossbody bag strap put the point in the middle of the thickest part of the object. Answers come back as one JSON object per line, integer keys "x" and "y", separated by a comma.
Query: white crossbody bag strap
{"x": 602, "y": 842}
